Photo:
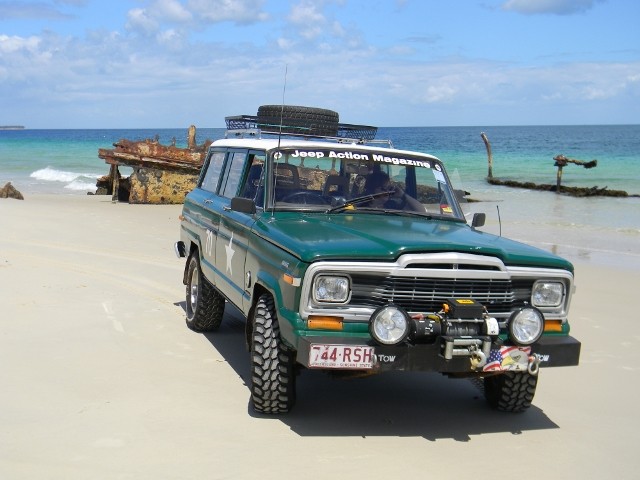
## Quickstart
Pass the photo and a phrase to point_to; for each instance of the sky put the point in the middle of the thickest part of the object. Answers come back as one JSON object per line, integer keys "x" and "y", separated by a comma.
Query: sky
{"x": 174, "y": 63}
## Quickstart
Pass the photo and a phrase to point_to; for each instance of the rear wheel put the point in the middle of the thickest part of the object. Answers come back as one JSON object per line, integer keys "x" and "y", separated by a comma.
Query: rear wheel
{"x": 273, "y": 387}
{"x": 510, "y": 391}
{"x": 205, "y": 305}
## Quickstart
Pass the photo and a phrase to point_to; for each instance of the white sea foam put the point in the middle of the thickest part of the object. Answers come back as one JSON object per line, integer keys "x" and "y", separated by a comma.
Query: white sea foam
{"x": 80, "y": 185}
{"x": 52, "y": 175}
{"x": 74, "y": 180}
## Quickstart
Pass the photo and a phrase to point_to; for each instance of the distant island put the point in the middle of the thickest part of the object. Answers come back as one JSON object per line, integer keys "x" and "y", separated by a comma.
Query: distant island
{"x": 11, "y": 127}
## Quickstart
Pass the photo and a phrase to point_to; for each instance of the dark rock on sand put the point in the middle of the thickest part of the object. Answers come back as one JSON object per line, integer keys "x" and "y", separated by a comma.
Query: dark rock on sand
{"x": 9, "y": 191}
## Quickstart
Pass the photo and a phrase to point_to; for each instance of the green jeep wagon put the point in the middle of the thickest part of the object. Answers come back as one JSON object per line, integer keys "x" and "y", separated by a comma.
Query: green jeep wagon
{"x": 345, "y": 254}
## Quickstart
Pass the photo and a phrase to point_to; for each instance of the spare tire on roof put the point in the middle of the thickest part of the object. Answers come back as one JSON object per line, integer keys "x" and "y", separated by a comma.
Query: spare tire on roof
{"x": 298, "y": 119}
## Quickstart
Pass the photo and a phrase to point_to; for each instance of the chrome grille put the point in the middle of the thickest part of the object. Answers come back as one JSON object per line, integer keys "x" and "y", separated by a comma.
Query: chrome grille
{"x": 428, "y": 294}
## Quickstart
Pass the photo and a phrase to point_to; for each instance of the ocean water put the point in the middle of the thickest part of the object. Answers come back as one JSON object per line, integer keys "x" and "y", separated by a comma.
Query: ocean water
{"x": 66, "y": 162}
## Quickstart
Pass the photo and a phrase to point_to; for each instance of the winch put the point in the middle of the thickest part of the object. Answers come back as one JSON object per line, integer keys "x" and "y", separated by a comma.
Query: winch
{"x": 464, "y": 327}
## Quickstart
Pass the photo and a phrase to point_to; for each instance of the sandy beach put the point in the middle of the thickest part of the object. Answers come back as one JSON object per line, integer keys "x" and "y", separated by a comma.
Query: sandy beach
{"x": 101, "y": 379}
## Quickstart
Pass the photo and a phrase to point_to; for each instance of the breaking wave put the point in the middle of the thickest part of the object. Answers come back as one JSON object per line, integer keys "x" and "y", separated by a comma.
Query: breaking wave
{"x": 73, "y": 180}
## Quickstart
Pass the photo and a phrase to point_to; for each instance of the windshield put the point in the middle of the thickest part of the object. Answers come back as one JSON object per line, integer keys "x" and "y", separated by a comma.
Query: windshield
{"x": 356, "y": 180}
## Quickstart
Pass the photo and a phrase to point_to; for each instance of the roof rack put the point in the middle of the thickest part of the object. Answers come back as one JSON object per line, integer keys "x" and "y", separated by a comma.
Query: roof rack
{"x": 240, "y": 125}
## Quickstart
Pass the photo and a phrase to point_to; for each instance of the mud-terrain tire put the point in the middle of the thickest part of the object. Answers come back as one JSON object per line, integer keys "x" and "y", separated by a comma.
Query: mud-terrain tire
{"x": 297, "y": 119}
{"x": 205, "y": 305}
{"x": 510, "y": 391}
{"x": 273, "y": 388}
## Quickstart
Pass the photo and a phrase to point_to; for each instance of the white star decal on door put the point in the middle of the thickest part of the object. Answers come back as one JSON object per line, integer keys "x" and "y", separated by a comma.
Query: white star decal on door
{"x": 230, "y": 251}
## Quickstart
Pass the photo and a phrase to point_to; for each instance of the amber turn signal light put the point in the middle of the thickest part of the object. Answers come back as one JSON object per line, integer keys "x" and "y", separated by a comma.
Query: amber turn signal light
{"x": 319, "y": 322}
{"x": 553, "y": 325}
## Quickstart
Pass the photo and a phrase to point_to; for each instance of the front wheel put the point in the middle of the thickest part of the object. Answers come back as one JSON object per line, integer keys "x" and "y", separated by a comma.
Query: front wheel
{"x": 510, "y": 391}
{"x": 273, "y": 388}
{"x": 205, "y": 305}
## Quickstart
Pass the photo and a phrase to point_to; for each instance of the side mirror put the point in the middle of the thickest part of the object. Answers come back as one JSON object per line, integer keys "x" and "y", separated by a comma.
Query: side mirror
{"x": 243, "y": 205}
{"x": 478, "y": 220}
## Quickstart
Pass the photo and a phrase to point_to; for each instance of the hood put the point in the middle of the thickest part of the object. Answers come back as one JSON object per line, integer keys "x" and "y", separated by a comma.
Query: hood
{"x": 373, "y": 237}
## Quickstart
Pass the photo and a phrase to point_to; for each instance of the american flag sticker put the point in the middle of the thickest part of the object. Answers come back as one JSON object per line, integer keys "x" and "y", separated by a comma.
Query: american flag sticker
{"x": 508, "y": 358}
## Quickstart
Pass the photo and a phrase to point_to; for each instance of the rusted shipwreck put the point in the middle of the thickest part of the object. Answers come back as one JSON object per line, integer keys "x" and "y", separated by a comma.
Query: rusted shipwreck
{"x": 162, "y": 174}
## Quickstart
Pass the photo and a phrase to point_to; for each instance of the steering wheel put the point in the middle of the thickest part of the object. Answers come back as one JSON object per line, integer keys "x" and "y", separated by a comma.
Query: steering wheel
{"x": 306, "y": 198}
{"x": 394, "y": 203}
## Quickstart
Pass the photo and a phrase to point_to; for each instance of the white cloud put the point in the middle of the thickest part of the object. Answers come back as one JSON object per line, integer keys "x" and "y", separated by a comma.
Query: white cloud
{"x": 309, "y": 21}
{"x": 558, "y": 7}
{"x": 306, "y": 13}
{"x": 30, "y": 10}
{"x": 12, "y": 44}
{"x": 189, "y": 83}
{"x": 140, "y": 21}
{"x": 442, "y": 92}
{"x": 147, "y": 21}
{"x": 172, "y": 39}
{"x": 171, "y": 11}
{"x": 237, "y": 11}
{"x": 159, "y": 75}
{"x": 185, "y": 15}
{"x": 285, "y": 43}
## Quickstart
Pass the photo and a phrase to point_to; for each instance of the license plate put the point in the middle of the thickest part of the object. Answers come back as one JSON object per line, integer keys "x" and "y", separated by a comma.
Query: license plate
{"x": 356, "y": 357}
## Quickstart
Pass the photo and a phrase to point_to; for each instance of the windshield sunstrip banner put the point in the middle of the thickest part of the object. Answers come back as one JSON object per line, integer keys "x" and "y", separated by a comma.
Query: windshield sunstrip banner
{"x": 359, "y": 155}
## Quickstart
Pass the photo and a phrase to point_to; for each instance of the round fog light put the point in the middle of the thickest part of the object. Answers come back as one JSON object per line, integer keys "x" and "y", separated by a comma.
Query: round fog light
{"x": 526, "y": 325}
{"x": 389, "y": 325}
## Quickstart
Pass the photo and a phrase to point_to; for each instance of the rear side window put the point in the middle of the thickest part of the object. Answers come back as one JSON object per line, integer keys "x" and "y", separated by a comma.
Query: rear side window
{"x": 212, "y": 175}
{"x": 233, "y": 174}
{"x": 253, "y": 182}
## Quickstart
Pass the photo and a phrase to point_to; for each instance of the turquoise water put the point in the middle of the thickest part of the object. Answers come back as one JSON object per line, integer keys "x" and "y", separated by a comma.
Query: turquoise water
{"x": 526, "y": 153}
{"x": 67, "y": 162}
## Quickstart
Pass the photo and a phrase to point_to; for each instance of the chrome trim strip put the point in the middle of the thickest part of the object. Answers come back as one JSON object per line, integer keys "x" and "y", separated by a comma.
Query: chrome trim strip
{"x": 489, "y": 268}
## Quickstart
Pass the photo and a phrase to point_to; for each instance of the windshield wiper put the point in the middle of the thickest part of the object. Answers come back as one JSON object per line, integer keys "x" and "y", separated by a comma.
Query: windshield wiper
{"x": 392, "y": 211}
{"x": 358, "y": 200}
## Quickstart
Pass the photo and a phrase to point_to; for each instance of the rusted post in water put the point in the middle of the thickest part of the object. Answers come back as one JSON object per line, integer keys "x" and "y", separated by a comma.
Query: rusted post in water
{"x": 562, "y": 161}
{"x": 559, "y": 178}
{"x": 489, "y": 155}
{"x": 115, "y": 183}
{"x": 191, "y": 138}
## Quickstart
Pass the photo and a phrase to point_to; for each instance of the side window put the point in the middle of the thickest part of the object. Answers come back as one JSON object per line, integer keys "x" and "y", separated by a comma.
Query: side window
{"x": 253, "y": 178}
{"x": 212, "y": 175}
{"x": 233, "y": 173}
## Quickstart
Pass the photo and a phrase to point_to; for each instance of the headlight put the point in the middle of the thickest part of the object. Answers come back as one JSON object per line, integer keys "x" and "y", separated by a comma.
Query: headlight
{"x": 526, "y": 325}
{"x": 389, "y": 325}
{"x": 331, "y": 289}
{"x": 547, "y": 294}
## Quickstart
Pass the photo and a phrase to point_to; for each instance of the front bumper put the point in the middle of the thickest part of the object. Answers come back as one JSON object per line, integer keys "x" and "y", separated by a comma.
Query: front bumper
{"x": 552, "y": 351}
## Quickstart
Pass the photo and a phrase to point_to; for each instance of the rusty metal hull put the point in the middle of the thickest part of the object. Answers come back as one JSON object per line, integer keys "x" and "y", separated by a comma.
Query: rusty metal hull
{"x": 161, "y": 174}
{"x": 150, "y": 185}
